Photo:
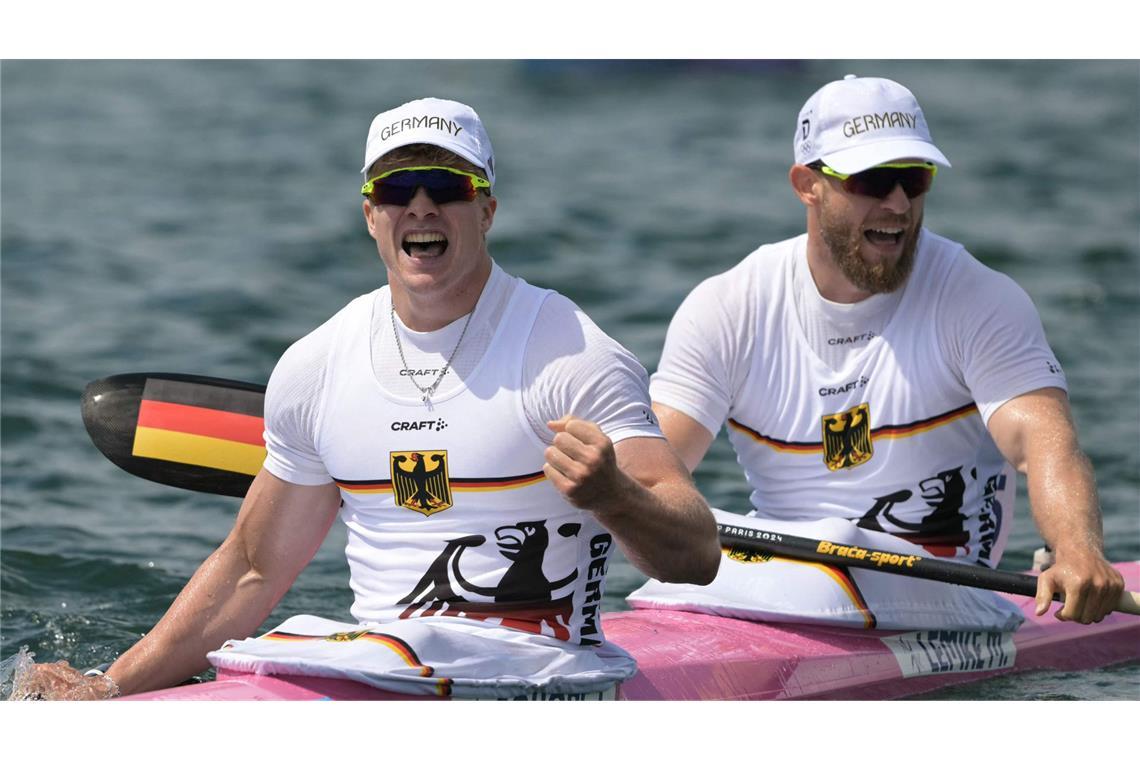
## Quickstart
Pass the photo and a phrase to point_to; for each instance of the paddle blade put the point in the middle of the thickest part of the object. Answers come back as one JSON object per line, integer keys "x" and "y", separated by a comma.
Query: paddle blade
{"x": 189, "y": 431}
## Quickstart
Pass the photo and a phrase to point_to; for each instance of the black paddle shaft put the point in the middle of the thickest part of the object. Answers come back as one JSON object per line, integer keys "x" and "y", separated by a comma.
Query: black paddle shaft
{"x": 913, "y": 565}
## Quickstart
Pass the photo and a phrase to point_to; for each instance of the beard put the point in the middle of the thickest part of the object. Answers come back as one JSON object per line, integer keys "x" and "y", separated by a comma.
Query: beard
{"x": 844, "y": 239}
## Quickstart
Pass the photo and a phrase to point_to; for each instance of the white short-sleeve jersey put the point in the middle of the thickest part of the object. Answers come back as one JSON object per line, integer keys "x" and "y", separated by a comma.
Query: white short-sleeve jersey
{"x": 894, "y": 437}
{"x": 448, "y": 509}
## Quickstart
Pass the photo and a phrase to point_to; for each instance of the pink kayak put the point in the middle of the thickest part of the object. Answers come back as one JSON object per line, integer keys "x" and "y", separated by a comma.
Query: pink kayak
{"x": 685, "y": 655}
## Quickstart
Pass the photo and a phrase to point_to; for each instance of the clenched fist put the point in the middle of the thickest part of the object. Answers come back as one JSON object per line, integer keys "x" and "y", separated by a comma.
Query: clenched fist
{"x": 582, "y": 464}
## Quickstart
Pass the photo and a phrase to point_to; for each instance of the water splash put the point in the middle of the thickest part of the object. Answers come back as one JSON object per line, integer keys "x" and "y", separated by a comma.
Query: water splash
{"x": 22, "y": 679}
{"x": 12, "y": 672}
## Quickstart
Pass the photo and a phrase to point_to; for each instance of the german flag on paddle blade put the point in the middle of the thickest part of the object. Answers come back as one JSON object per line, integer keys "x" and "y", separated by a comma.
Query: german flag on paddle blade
{"x": 194, "y": 432}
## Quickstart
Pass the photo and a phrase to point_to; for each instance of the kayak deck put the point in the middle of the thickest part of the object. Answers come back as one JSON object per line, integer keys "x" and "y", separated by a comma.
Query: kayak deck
{"x": 691, "y": 656}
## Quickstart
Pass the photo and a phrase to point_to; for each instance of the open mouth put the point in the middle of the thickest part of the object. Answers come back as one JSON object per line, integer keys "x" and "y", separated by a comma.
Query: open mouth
{"x": 424, "y": 245}
{"x": 884, "y": 235}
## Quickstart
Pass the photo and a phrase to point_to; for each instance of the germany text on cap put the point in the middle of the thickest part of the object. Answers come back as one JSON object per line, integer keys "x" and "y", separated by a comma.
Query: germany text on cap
{"x": 858, "y": 122}
{"x": 445, "y": 123}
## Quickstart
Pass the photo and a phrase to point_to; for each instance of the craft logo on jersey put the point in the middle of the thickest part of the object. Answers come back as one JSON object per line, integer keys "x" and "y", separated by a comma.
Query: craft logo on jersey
{"x": 420, "y": 481}
{"x": 847, "y": 438}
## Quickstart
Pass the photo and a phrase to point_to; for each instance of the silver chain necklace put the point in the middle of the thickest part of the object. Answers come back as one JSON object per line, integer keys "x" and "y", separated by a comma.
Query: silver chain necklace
{"x": 426, "y": 392}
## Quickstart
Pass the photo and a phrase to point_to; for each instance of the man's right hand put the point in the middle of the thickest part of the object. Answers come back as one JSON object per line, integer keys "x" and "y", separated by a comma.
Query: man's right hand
{"x": 1090, "y": 585}
{"x": 59, "y": 681}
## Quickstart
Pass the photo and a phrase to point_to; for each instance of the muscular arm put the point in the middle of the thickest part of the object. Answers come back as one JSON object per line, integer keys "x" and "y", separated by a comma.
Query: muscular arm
{"x": 689, "y": 438}
{"x": 1035, "y": 433}
{"x": 279, "y": 528}
{"x": 640, "y": 491}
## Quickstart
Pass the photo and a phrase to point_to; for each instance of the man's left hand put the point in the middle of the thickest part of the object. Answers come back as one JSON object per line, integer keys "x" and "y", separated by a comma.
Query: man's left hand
{"x": 581, "y": 463}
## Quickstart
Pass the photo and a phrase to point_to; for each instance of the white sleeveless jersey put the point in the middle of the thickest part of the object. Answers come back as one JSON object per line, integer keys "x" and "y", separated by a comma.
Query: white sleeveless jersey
{"x": 448, "y": 510}
{"x": 895, "y": 439}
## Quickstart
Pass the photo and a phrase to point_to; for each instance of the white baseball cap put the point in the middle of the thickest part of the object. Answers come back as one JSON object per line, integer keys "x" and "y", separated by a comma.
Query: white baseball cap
{"x": 446, "y": 123}
{"x": 859, "y": 122}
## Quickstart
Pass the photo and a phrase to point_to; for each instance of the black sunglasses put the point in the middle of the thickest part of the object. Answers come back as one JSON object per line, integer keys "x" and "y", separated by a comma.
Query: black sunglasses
{"x": 879, "y": 181}
{"x": 442, "y": 183}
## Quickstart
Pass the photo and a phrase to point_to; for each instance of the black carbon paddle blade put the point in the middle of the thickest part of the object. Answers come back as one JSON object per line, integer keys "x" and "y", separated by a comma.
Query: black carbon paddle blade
{"x": 188, "y": 431}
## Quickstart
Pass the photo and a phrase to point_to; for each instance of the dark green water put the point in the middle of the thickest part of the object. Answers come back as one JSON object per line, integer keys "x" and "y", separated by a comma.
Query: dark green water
{"x": 199, "y": 217}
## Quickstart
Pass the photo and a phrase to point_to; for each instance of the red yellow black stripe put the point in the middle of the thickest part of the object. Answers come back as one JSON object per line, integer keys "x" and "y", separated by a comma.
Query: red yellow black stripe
{"x": 793, "y": 447}
{"x": 497, "y": 484}
{"x": 837, "y": 573}
{"x": 393, "y": 643}
{"x": 198, "y": 420}
{"x": 914, "y": 428}
{"x": 202, "y": 425}
{"x": 469, "y": 485}
{"x": 883, "y": 431}
{"x": 842, "y": 577}
{"x": 364, "y": 486}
